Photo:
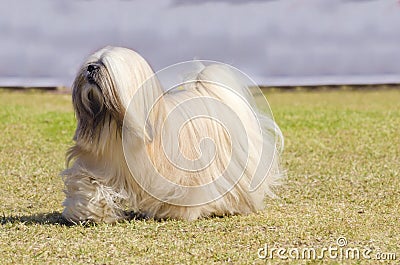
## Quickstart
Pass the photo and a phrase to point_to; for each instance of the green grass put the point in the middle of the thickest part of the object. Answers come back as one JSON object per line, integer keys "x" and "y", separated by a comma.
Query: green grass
{"x": 342, "y": 157}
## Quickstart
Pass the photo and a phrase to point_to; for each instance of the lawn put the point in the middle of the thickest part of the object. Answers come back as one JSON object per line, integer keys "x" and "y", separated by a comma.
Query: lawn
{"x": 342, "y": 157}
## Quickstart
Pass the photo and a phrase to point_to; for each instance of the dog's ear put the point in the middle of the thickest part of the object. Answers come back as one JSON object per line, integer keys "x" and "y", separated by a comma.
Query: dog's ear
{"x": 143, "y": 129}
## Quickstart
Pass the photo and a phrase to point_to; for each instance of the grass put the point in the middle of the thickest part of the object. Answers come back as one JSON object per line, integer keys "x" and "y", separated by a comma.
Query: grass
{"x": 342, "y": 156}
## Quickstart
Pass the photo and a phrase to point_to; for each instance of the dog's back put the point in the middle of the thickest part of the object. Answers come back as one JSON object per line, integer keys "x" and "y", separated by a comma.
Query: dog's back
{"x": 213, "y": 142}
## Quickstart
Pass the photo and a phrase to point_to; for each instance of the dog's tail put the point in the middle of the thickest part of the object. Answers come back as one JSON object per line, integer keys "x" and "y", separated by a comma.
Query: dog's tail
{"x": 233, "y": 80}
{"x": 234, "y": 89}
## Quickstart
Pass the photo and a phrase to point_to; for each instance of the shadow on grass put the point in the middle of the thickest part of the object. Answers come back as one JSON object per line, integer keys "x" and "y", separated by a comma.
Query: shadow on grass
{"x": 55, "y": 218}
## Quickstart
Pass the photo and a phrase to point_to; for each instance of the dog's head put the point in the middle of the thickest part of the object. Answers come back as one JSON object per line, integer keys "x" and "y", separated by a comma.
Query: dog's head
{"x": 104, "y": 87}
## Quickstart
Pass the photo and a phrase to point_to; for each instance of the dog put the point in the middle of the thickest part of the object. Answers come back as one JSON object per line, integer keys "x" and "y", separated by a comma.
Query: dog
{"x": 197, "y": 150}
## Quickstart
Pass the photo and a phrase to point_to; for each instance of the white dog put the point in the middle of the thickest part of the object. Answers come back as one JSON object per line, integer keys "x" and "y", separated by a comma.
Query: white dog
{"x": 199, "y": 150}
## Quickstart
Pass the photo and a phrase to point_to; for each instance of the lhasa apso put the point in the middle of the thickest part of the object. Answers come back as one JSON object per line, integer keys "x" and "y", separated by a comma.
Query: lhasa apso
{"x": 197, "y": 149}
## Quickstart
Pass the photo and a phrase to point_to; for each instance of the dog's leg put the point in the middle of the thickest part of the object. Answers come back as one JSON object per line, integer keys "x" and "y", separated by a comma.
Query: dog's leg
{"x": 87, "y": 199}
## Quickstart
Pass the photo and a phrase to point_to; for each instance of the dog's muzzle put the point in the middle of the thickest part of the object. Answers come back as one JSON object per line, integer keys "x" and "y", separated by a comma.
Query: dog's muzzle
{"x": 91, "y": 71}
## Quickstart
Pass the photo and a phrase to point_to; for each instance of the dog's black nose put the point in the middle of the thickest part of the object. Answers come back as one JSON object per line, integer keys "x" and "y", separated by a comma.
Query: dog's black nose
{"x": 91, "y": 72}
{"x": 92, "y": 67}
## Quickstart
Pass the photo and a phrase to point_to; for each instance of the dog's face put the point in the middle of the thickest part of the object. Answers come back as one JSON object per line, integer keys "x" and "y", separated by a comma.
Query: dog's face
{"x": 97, "y": 96}
{"x": 94, "y": 99}
{"x": 104, "y": 88}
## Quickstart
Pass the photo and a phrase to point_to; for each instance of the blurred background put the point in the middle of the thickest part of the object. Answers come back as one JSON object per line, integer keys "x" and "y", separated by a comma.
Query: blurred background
{"x": 276, "y": 42}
